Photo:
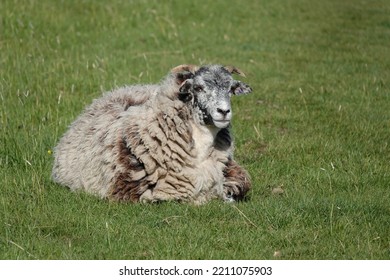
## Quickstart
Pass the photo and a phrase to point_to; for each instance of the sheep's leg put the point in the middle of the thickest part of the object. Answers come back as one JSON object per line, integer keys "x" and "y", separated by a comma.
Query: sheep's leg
{"x": 237, "y": 182}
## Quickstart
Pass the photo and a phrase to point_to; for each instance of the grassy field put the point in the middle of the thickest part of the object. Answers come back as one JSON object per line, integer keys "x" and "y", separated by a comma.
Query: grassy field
{"x": 316, "y": 126}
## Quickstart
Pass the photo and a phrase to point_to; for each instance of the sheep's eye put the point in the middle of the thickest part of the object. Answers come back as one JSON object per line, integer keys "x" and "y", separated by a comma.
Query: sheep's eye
{"x": 198, "y": 88}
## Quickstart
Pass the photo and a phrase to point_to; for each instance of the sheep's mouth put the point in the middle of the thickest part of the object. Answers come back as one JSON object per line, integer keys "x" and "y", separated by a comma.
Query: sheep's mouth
{"x": 221, "y": 123}
{"x": 217, "y": 121}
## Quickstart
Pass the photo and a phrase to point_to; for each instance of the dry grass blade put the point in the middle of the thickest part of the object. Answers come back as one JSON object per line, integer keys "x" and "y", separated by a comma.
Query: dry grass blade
{"x": 245, "y": 217}
{"x": 21, "y": 248}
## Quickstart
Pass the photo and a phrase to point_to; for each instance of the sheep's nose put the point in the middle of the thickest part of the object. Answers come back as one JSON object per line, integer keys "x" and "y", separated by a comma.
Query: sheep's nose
{"x": 223, "y": 112}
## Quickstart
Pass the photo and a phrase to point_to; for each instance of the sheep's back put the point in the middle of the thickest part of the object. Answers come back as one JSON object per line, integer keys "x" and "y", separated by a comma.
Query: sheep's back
{"x": 85, "y": 155}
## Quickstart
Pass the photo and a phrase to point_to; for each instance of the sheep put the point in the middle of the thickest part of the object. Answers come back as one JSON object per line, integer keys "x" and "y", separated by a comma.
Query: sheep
{"x": 165, "y": 142}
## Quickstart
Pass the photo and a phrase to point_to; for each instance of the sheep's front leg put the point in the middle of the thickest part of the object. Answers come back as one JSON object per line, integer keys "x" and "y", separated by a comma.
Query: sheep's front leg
{"x": 237, "y": 182}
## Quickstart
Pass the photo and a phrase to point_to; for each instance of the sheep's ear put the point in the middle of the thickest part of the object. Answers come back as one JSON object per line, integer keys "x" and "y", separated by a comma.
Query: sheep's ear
{"x": 185, "y": 67}
{"x": 185, "y": 94}
{"x": 239, "y": 88}
{"x": 184, "y": 72}
{"x": 234, "y": 70}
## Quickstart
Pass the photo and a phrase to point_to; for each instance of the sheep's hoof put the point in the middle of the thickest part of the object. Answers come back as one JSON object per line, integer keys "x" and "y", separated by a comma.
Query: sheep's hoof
{"x": 229, "y": 198}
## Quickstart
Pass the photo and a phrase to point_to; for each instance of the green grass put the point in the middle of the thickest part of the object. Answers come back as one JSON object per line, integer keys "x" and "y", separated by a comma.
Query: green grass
{"x": 317, "y": 124}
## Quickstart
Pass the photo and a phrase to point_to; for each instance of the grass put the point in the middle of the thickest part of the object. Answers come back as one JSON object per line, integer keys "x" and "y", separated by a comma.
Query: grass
{"x": 317, "y": 125}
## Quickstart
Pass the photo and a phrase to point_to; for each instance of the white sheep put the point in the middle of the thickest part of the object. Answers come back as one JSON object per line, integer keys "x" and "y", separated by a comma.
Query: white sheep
{"x": 162, "y": 142}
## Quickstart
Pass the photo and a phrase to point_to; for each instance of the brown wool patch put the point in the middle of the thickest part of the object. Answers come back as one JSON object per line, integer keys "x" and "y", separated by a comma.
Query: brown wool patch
{"x": 237, "y": 180}
{"x": 125, "y": 189}
{"x": 130, "y": 183}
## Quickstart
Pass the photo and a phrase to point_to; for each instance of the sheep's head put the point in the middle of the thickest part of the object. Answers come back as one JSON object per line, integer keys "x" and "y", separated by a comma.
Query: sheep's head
{"x": 209, "y": 89}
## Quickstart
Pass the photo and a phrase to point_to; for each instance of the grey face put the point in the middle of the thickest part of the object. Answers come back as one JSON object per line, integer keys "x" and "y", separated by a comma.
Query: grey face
{"x": 210, "y": 88}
